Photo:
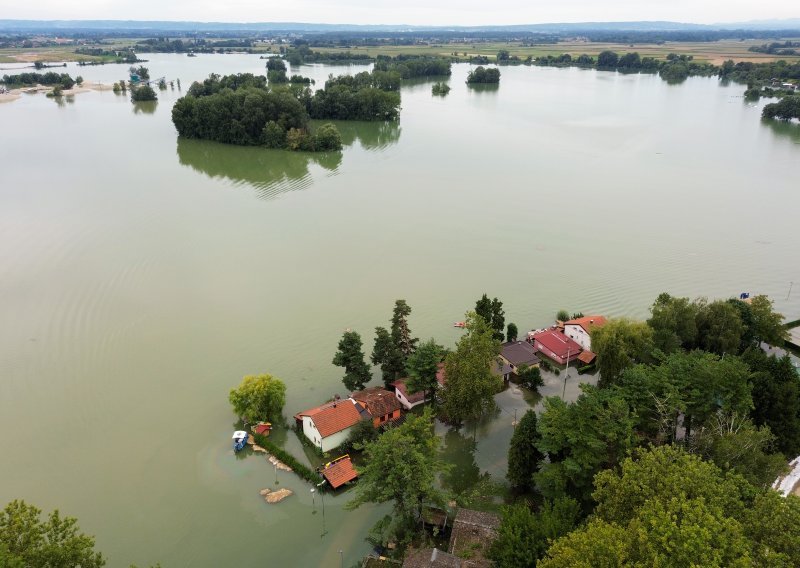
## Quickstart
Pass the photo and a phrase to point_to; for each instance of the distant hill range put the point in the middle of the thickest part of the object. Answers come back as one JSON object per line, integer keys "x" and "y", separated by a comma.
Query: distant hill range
{"x": 29, "y": 26}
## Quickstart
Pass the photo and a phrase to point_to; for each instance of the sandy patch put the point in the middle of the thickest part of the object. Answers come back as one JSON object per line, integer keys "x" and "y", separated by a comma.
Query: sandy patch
{"x": 8, "y": 97}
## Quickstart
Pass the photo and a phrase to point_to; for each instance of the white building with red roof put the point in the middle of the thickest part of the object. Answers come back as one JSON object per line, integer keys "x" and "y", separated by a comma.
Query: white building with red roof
{"x": 329, "y": 425}
{"x": 556, "y": 346}
{"x": 579, "y": 330}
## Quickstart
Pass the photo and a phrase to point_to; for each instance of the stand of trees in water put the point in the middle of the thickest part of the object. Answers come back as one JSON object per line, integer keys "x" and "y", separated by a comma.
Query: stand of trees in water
{"x": 64, "y": 80}
{"x": 484, "y": 75}
{"x": 244, "y": 109}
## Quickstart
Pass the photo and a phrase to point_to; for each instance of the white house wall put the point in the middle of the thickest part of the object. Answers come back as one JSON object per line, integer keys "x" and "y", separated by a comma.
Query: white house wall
{"x": 328, "y": 443}
{"x": 579, "y": 335}
{"x": 404, "y": 401}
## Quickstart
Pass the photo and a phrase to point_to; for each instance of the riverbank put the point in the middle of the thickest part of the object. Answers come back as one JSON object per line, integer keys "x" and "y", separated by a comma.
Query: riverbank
{"x": 14, "y": 94}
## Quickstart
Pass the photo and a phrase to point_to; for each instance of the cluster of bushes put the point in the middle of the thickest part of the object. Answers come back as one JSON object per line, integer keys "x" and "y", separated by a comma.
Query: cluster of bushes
{"x": 143, "y": 93}
{"x": 410, "y": 66}
{"x": 483, "y": 75}
{"x": 302, "y": 53}
{"x": 777, "y": 48}
{"x": 49, "y": 78}
{"x": 676, "y": 68}
{"x": 440, "y": 89}
{"x": 786, "y": 109}
{"x": 364, "y": 96}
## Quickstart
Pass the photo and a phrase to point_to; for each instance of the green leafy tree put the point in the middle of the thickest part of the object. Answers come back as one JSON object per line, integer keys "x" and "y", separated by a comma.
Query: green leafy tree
{"x": 422, "y": 366}
{"x": 530, "y": 377}
{"x": 736, "y": 444}
{"x": 524, "y": 536}
{"x": 695, "y": 384}
{"x": 327, "y": 138}
{"x": 401, "y": 333}
{"x": 619, "y": 344}
{"x": 523, "y": 454}
{"x": 470, "y": 383}
{"x": 776, "y": 398}
{"x": 259, "y": 397}
{"x": 674, "y": 324}
{"x": 351, "y": 357}
{"x": 143, "y": 93}
{"x": 771, "y": 525}
{"x": 562, "y": 315}
{"x": 401, "y": 468}
{"x": 26, "y": 540}
{"x": 720, "y": 328}
{"x": 492, "y": 312}
{"x": 385, "y": 354}
{"x": 580, "y": 439}
{"x": 512, "y": 332}
{"x": 767, "y": 324}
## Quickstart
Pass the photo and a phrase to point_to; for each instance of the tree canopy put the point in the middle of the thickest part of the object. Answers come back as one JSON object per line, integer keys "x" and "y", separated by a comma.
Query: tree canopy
{"x": 351, "y": 356}
{"x": 401, "y": 467}
{"x": 523, "y": 454}
{"x": 259, "y": 397}
{"x": 470, "y": 385}
{"x": 30, "y": 542}
{"x": 422, "y": 366}
{"x": 492, "y": 312}
{"x": 619, "y": 344}
{"x": 484, "y": 75}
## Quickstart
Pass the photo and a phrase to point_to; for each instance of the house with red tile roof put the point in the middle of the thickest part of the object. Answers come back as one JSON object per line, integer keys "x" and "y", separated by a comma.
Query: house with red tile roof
{"x": 407, "y": 400}
{"x": 381, "y": 404}
{"x": 579, "y": 330}
{"x": 556, "y": 346}
{"x": 329, "y": 425}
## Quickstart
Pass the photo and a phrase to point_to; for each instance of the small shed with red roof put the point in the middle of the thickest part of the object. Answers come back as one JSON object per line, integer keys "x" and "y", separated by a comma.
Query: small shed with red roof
{"x": 339, "y": 471}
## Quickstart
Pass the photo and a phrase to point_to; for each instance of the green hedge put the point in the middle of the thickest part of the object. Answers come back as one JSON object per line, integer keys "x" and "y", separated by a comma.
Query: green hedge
{"x": 299, "y": 468}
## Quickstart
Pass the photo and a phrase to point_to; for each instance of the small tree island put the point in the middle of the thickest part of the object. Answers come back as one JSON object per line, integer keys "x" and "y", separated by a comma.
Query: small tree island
{"x": 483, "y": 75}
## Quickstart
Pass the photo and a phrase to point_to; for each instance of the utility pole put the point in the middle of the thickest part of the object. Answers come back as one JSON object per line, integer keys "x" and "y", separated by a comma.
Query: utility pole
{"x": 566, "y": 374}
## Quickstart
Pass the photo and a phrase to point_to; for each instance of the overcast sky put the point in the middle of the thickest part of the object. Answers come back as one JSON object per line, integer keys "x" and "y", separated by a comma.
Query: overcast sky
{"x": 417, "y": 12}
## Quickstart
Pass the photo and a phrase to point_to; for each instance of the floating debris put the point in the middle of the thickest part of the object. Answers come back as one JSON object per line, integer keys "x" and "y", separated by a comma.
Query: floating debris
{"x": 271, "y": 496}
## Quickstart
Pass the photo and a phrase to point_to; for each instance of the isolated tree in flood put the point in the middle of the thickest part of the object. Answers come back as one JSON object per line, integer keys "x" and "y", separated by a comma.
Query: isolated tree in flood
{"x": 386, "y": 354}
{"x": 259, "y": 397}
{"x": 28, "y": 541}
{"x": 422, "y": 366}
{"x": 470, "y": 383}
{"x": 511, "y": 332}
{"x": 351, "y": 356}
{"x": 401, "y": 468}
{"x": 523, "y": 455}
{"x": 401, "y": 333}
{"x": 492, "y": 312}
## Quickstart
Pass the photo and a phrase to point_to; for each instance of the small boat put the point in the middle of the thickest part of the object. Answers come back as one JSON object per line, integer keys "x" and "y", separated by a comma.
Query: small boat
{"x": 239, "y": 440}
{"x": 460, "y": 324}
{"x": 191, "y": 54}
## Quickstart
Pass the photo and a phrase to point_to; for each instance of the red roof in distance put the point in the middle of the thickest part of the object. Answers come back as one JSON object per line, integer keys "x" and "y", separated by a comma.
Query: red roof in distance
{"x": 558, "y": 343}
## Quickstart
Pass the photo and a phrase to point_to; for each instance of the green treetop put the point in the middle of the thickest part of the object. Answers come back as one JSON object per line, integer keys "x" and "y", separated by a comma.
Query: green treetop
{"x": 422, "y": 366}
{"x": 351, "y": 357}
{"x": 470, "y": 385}
{"x": 259, "y": 397}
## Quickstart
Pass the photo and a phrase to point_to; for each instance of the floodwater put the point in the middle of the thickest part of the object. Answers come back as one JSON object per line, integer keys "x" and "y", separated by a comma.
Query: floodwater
{"x": 142, "y": 276}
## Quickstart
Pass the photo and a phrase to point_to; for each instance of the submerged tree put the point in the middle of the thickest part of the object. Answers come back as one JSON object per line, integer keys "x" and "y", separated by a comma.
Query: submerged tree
{"x": 523, "y": 455}
{"x": 401, "y": 333}
{"x": 492, "y": 312}
{"x": 470, "y": 383}
{"x": 259, "y": 397}
{"x": 385, "y": 354}
{"x": 422, "y": 367}
{"x": 401, "y": 468}
{"x": 351, "y": 357}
